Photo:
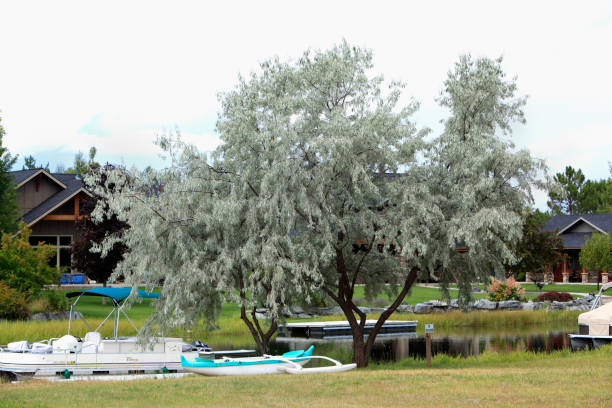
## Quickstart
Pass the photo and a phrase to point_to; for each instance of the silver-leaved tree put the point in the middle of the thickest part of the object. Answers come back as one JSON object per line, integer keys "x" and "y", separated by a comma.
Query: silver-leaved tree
{"x": 323, "y": 183}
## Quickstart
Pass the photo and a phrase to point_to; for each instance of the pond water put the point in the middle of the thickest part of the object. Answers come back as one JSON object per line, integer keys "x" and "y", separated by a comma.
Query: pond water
{"x": 462, "y": 344}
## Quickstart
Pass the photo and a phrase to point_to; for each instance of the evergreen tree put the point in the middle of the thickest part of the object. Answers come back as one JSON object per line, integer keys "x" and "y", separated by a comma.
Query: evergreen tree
{"x": 29, "y": 163}
{"x": 568, "y": 200}
{"x": 8, "y": 194}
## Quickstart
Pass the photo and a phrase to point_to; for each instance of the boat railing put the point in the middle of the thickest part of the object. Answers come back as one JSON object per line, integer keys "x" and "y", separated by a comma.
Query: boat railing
{"x": 597, "y": 302}
{"x": 302, "y": 358}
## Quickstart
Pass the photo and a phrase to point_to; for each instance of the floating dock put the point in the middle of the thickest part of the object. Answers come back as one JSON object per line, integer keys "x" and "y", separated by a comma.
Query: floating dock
{"x": 321, "y": 330}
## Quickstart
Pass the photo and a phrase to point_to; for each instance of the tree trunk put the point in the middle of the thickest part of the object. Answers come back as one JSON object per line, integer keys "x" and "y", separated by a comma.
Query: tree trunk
{"x": 363, "y": 348}
{"x": 262, "y": 339}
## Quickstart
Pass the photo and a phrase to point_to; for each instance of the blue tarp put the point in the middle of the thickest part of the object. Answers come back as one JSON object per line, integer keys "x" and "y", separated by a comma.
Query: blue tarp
{"x": 117, "y": 294}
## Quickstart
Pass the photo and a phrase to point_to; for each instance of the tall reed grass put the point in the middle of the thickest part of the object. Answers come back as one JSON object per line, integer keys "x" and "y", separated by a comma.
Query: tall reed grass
{"x": 233, "y": 332}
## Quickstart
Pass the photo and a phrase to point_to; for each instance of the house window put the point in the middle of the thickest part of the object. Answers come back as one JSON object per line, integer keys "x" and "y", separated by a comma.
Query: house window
{"x": 62, "y": 256}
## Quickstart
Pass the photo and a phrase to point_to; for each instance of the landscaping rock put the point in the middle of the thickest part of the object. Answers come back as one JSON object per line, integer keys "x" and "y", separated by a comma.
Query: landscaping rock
{"x": 422, "y": 308}
{"x": 581, "y": 308}
{"x": 529, "y": 306}
{"x": 437, "y": 303}
{"x": 509, "y": 305}
{"x": 56, "y": 316}
{"x": 296, "y": 309}
{"x": 476, "y": 289}
{"x": 485, "y": 304}
{"x": 404, "y": 308}
{"x": 328, "y": 311}
{"x": 557, "y": 305}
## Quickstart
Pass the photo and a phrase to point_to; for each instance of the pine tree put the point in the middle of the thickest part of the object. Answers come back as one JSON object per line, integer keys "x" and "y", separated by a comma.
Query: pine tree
{"x": 8, "y": 203}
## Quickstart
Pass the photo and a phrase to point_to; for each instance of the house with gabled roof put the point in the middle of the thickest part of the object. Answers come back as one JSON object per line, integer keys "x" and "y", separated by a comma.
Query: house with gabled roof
{"x": 49, "y": 204}
{"x": 574, "y": 230}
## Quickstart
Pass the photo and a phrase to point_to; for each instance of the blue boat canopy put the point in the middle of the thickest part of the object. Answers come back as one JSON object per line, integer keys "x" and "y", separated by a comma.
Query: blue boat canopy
{"x": 117, "y": 294}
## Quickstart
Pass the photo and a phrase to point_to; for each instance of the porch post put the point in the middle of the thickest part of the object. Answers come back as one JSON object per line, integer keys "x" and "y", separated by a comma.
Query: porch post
{"x": 548, "y": 275}
{"x": 604, "y": 277}
{"x": 565, "y": 273}
{"x": 585, "y": 276}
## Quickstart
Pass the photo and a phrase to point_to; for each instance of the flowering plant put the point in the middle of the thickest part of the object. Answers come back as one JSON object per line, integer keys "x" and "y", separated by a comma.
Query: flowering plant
{"x": 508, "y": 290}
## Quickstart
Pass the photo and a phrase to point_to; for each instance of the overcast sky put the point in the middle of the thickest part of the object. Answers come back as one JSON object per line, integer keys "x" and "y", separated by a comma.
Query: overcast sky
{"x": 116, "y": 74}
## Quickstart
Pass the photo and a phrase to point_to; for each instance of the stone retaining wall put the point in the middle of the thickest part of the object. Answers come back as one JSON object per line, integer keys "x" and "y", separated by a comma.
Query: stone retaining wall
{"x": 438, "y": 306}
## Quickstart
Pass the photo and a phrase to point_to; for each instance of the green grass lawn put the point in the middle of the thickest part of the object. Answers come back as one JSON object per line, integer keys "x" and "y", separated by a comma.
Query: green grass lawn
{"x": 559, "y": 287}
{"x": 559, "y": 379}
{"x": 418, "y": 294}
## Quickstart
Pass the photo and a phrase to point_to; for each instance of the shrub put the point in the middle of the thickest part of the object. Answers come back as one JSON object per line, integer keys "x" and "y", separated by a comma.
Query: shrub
{"x": 56, "y": 299}
{"x": 38, "y": 305}
{"x": 49, "y": 301}
{"x": 508, "y": 290}
{"x": 12, "y": 303}
{"x": 552, "y": 296}
{"x": 24, "y": 268}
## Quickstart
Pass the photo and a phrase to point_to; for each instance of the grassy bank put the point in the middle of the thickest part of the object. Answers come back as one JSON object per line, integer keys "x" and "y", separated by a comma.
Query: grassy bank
{"x": 555, "y": 380}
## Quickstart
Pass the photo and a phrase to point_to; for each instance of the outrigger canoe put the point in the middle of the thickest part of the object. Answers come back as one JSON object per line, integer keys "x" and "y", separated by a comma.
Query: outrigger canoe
{"x": 291, "y": 362}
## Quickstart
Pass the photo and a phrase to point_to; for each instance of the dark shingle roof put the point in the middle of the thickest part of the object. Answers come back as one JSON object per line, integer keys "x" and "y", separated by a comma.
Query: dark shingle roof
{"x": 73, "y": 184}
{"x": 21, "y": 175}
{"x": 577, "y": 239}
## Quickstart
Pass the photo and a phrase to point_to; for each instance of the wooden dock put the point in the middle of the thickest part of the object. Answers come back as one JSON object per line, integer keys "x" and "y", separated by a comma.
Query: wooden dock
{"x": 342, "y": 328}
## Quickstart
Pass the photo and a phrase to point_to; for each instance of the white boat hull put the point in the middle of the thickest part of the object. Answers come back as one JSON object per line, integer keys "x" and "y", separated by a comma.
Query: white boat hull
{"x": 115, "y": 358}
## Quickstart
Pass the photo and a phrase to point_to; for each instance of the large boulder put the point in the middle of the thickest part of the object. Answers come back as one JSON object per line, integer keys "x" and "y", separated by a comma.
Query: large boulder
{"x": 296, "y": 309}
{"x": 422, "y": 308}
{"x": 532, "y": 305}
{"x": 329, "y": 311}
{"x": 404, "y": 308}
{"x": 56, "y": 316}
{"x": 485, "y": 304}
{"x": 509, "y": 304}
{"x": 557, "y": 305}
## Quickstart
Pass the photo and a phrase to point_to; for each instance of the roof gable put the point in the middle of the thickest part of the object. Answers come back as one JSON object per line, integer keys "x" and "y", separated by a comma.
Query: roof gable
{"x": 574, "y": 230}
{"x": 73, "y": 187}
{"x": 581, "y": 225}
{"x": 21, "y": 177}
{"x": 565, "y": 224}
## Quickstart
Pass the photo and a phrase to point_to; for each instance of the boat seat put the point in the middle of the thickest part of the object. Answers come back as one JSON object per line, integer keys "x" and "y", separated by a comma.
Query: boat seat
{"x": 66, "y": 344}
{"x": 18, "y": 347}
{"x": 91, "y": 342}
{"x": 41, "y": 348}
